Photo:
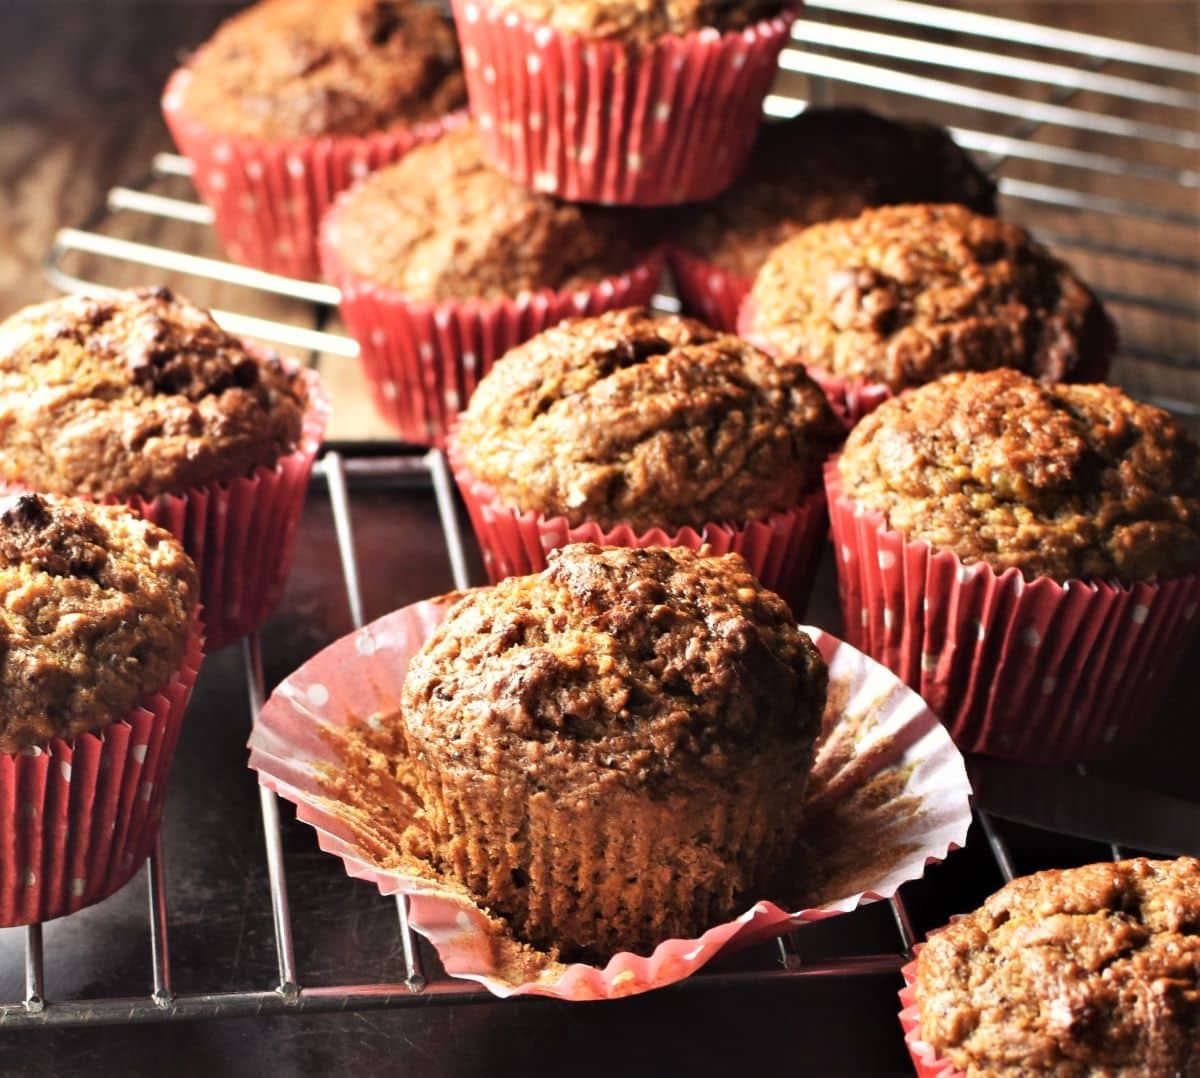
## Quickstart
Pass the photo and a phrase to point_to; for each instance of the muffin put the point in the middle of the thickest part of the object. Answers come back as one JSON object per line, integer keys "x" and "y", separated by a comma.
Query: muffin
{"x": 824, "y": 164}
{"x": 139, "y": 397}
{"x": 291, "y": 100}
{"x": 899, "y": 295}
{"x": 444, "y": 264}
{"x": 612, "y": 751}
{"x": 1092, "y": 970}
{"x": 620, "y": 102}
{"x": 1023, "y": 554}
{"x": 632, "y": 429}
{"x": 101, "y": 649}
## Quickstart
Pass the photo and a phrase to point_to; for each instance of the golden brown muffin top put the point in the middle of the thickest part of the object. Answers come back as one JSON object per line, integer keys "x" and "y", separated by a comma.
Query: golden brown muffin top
{"x": 442, "y": 224}
{"x": 136, "y": 393}
{"x": 648, "y": 668}
{"x": 1084, "y": 971}
{"x": 639, "y": 22}
{"x": 1066, "y": 481}
{"x": 286, "y": 69}
{"x": 648, "y": 421}
{"x": 96, "y": 606}
{"x": 825, "y": 164}
{"x": 903, "y": 294}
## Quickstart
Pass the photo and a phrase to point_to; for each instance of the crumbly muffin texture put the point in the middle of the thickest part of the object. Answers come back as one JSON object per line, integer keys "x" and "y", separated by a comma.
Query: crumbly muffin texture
{"x": 653, "y": 422}
{"x": 1066, "y": 481}
{"x": 136, "y": 393}
{"x": 826, "y": 164}
{"x": 443, "y": 224}
{"x": 1085, "y": 971}
{"x": 95, "y": 612}
{"x": 287, "y": 69}
{"x": 902, "y": 294}
{"x": 640, "y": 22}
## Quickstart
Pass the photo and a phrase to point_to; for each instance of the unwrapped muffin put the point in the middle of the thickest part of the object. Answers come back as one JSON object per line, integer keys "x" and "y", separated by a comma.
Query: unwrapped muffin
{"x": 444, "y": 264}
{"x": 900, "y": 295}
{"x": 140, "y": 397}
{"x": 1025, "y": 555}
{"x": 645, "y": 429}
{"x": 824, "y": 164}
{"x": 612, "y": 751}
{"x": 1084, "y": 971}
{"x": 291, "y": 100}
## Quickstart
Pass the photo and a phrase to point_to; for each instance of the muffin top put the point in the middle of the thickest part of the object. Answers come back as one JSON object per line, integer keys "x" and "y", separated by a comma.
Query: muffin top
{"x": 1075, "y": 972}
{"x": 287, "y": 69}
{"x": 650, "y": 669}
{"x": 902, "y": 294}
{"x": 639, "y": 22}
{"x": 1066, "y": 481}
{"x": 442, "y": 224}
{"x": 136, "y": 393}
{"x": 826, "y": 164}
{"x": 648, "y": 421}
{"x": 95, "y": 610}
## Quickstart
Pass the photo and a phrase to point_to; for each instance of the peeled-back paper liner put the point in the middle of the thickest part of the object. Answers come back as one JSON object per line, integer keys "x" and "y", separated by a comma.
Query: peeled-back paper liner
{"x": 707, "y": 291}
{"x": 925, "y": 1059}
{"x": 601, "y": 121}
{"x": 888, "y": 795}
{"x": 241, "y": 533}
{"x": 782, "y": 550}
{"x": 424, "y": 360}
{"x": 1028, "y": 670}
{"x": 81, "y": 816}
{"x": 268, "y": 195}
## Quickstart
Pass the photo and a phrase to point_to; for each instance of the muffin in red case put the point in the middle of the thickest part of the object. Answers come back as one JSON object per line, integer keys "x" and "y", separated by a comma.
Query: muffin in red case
{"x": 292, "y": 101}
{"x": 621, "y": 103}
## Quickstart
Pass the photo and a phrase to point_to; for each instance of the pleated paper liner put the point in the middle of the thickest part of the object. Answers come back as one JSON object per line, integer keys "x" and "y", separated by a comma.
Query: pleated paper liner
{"x": 782, "y": 549}
{"x": 268, "y": 195}
{"x": 925, "y": 1059}
{"x": 601, "y": 121}
{"x": 80, "y": 816}
{"x": 423, "y": 360}
{"x": 707, "y": 291}
{"x": 1036, "y": 671}
{"x": 888, "y": 794}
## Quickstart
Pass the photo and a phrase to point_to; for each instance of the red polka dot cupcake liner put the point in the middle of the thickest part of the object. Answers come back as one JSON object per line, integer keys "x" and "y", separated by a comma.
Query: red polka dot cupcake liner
{"x": 707, "y": 291}
{"x": 1039, "y": 671}
{"x": 926, "y": 1061}
{"x": 782, "y": 550}
{"x": 268, "y": 196}
{"x": 80, "y": 816}
{"x": 423, "y": 361}
{"x": 601, "y": 121}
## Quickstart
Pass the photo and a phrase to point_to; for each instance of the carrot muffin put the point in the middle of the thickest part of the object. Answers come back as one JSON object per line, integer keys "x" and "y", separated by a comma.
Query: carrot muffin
{"x": 648, "y": 421}
{"x": 1064, "y": 481}
{"x": 902, "y": 294}
{"x": 96, "y": 607}
{"x": 1092, "y": 970}
{"x": 636, "y": 23}
{"x": 613, "y": 752}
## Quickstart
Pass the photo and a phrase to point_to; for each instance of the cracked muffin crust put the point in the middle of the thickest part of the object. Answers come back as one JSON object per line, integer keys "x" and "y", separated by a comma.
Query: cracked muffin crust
{"x": 136, "y": 393}
{"x": 610, "y": 751}
{"x": 287, "y": 69}
{"x": 1066, "y": 481}
{"x": 96, "y": 607}
{"x": 649, "y": 421}
{"x": 1085, "y": 971}
{"x": 903, "y": 294}
{"x": 443, "y": 224}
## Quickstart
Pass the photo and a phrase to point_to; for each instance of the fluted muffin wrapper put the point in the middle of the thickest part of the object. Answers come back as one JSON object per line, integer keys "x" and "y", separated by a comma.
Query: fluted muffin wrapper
{"x": 241, "y": 533}
{"x": 1038, "y": 671}
{"x": 876, "y": 731}
{"x": 706, "y": 290}
{"x": 782, "y": 549}
{"x": 926, "y": 1061}
{"x": 79, "y": 817}
{"x": 601, "y": 121}
{"x": 423, "y": 360}
{"x": 268, "y": 195}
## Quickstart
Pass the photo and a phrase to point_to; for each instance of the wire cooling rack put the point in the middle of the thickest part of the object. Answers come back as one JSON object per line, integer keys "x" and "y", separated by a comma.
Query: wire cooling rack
{"x": 1018, "y": 95}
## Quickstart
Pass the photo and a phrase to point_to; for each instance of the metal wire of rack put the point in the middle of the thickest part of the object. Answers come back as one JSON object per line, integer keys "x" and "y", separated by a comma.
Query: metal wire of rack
{"x": 821, "y": 63}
